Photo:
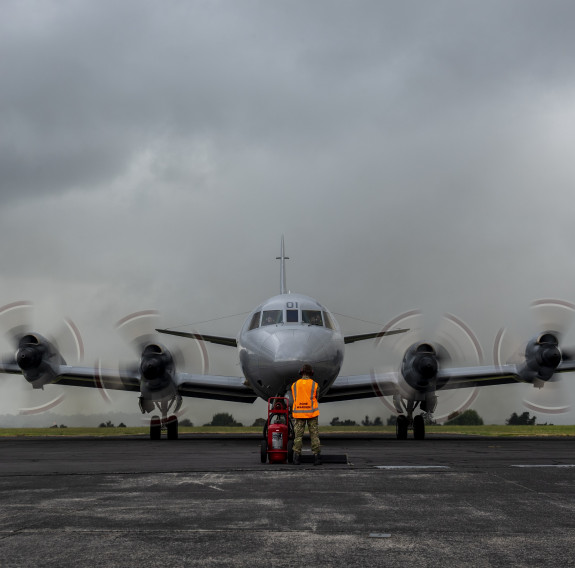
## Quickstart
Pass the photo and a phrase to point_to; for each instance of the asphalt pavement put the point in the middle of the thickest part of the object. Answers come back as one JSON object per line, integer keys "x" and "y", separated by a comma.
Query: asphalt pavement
{"x": 209, "y": 501}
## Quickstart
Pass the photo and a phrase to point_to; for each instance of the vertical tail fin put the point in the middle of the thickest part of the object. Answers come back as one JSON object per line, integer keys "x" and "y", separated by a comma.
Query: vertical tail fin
{"x": 282, "y": 258}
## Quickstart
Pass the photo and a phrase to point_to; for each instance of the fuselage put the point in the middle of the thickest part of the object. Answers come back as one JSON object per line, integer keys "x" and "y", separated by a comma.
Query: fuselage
{"x": 282, "y": 334}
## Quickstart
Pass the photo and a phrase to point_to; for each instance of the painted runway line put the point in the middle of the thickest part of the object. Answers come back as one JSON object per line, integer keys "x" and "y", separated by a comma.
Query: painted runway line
{"x": 411, "y": 467}
{"x": 544, "y": 465}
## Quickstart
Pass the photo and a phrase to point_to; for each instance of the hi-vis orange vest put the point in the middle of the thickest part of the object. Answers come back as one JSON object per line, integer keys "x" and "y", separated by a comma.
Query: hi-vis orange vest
{"x": 304, "y": 393}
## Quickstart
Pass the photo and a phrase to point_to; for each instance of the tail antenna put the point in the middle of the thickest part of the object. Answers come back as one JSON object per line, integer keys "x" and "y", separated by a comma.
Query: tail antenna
{"x": 282, "y": 258}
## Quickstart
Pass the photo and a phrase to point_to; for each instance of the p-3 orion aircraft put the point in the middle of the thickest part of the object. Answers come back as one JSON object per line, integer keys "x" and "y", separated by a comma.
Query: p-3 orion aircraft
{"x": 276, "y": 339}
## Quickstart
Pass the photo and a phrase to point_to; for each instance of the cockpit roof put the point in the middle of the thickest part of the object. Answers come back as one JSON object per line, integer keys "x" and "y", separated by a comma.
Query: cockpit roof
{"x": 284, "y": 301}
{"x": 291, "y": 309}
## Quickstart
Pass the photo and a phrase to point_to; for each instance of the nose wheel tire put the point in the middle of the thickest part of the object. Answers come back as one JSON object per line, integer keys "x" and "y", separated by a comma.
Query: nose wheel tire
{"x": 264, "y": 451}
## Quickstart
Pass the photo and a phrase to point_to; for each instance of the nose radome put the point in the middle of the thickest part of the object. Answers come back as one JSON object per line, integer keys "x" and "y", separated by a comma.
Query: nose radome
{"x": 285, "y": 348}
{"x": 289, "y": 349}
{"x": 284, "y": 351}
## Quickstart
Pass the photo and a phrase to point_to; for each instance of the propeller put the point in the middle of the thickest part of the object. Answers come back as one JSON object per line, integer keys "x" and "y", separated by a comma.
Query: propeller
{"x": 64, "y": 344}
{"x": 554, "y": 318}
{"x": 139, "y": 331}
{"x": 451, "y": 342}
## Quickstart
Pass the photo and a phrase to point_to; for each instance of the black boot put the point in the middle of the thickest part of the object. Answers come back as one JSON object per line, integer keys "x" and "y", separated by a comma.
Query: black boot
{"x": 295, "y": 458}
{"x": 317, "y": 459}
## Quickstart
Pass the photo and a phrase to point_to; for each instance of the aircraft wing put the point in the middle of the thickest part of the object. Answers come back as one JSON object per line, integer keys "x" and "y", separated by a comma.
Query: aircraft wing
{"x": 218, "y": 339}
{"x": 464, "y": 377}
{"x": 200, "y": 386}
{"x": 387, "y": 384}
{"x": 362, "y": 386}
{"x": 364, "y": 336}
{"x": 230, "y": 341}
{"x": 215, "y": 387}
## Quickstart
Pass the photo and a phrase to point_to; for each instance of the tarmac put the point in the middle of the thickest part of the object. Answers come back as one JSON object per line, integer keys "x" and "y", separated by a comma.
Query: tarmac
{"x": 209, "y": 501}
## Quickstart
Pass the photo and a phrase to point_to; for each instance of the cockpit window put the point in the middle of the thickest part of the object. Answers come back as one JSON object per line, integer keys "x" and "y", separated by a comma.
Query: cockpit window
{"x": 327, "y": 320}
{"x": 255, "y": 321}
{"x": 271, "y": 317}
{"x": 313, "y": 317}
{"x": 291, "y": 316}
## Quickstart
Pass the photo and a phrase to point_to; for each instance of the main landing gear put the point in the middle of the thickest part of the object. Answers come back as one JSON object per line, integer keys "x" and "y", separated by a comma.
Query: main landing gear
{"x": 158, "y": 424}
{"x": 417, "y": 424}
{"x": 168, "y": 424}
{"x": 408, "y": 420}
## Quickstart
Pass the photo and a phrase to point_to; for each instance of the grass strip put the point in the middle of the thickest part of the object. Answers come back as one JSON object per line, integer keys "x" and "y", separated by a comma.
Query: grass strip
{"x": 489, "y": 430}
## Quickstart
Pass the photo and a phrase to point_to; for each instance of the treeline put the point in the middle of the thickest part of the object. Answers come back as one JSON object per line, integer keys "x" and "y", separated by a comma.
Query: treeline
{"x": 467, "y": 418}
{"x": 523, "y": 420}
{"x": 366, "y": 422}
{"x": 471, "y": 418}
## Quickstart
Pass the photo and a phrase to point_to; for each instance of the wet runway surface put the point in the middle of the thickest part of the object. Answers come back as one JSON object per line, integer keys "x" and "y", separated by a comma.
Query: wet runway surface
{"x": 204, "y": 501}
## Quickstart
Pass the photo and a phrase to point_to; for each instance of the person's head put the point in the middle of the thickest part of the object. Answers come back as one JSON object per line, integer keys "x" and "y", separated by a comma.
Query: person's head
{"x": 306, "y": 370}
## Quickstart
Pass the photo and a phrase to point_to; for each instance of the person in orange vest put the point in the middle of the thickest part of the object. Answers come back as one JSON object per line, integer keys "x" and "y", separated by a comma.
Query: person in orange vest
{"x": 305, "y": 409}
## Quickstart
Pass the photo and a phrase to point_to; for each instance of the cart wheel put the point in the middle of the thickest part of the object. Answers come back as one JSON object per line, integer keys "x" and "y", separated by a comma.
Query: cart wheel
{"x": 264, "y": 451}
{"x": 290, "y": 451}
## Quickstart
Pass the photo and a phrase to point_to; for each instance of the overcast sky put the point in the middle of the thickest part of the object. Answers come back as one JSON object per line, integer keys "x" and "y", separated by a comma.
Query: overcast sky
{"x": 414, "y": 154}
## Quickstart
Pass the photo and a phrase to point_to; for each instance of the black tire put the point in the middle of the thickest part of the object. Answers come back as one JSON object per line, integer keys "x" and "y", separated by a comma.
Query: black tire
{"x": 264, "y": 451}
{"x": 291, "y": 429}
{"x": 290, "y": 451}
{"x": 155, "y": 428}
{"x": 419, "y": 427}
{"x": 172, "y": 428}
{"x": 401, "y": 427}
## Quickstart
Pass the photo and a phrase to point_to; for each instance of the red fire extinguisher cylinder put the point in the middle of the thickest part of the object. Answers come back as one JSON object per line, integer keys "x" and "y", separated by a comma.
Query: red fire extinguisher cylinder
{"x": 277, "y": 443}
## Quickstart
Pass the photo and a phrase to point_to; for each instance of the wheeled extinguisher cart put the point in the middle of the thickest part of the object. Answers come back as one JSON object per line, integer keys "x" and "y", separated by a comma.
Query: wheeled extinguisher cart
{"x": 277, "y": 445}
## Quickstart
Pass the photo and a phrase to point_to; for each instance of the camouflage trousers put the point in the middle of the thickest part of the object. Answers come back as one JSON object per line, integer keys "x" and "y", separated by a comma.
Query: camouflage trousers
{"x": 313, "y": 427}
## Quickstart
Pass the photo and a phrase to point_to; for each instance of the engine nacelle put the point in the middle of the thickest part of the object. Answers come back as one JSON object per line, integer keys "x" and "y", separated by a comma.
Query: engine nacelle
{"x": 419, "y": 367}
{"x": 157, "y": 373}
{"x": 38, "y": 359}
{"x": 542, "y": 357}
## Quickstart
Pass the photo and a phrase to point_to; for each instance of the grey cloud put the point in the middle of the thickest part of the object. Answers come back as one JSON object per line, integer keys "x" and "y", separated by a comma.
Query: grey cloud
{"x": 415, "y": 155}
{"x": 81, "y": 94}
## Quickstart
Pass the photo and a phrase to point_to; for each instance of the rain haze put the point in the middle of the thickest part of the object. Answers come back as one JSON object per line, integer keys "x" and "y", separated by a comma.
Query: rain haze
{"x": 414, "y": 155}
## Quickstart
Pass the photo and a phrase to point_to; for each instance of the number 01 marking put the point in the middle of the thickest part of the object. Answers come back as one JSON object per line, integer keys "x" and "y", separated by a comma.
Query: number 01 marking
{"x": 292, "y": 305}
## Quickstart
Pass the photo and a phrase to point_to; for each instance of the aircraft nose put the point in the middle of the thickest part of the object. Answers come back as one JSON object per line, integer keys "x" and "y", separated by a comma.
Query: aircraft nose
{"x": 285, "y": 351}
